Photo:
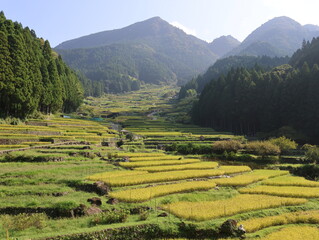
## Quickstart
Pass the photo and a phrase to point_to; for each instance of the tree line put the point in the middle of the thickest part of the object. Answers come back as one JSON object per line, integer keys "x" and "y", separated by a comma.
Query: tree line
{"x": 32, "y": 76}
{"x": 222, "y": 66}
{"x": 250, "y": 101}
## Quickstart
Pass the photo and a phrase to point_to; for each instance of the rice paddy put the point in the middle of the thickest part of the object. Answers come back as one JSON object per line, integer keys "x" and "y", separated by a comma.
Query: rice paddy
{"x": 144, "y": 194}
{"x": 200, "y": 211}
{"x": 306, "y": 217}
{"x": 56, "y": 164}
{"x": 286, "y": 191}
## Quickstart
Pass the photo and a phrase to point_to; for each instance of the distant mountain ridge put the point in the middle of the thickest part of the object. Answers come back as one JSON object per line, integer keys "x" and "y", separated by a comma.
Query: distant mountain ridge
{"x": 279, "y": 36}
{"x": 223, "y": 45}
{"x": 151, "y": 51}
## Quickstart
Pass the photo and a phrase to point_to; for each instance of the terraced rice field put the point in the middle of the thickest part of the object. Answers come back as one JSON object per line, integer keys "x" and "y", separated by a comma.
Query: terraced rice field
{"x": 69, "y": 156}
{"x": 291, "y": 181}
{"x": 286, "y": 191}
{"x": 198, "y": 165}
{"x": 249, "y": 178}
{"x": 162, "y": 177}
{"x": 201, "y": 211}
{"x": 306, "y": 217}
{"x": 157, "y": 163}
{"x": 144, "y": 194}
{"x": 295, "y": 233}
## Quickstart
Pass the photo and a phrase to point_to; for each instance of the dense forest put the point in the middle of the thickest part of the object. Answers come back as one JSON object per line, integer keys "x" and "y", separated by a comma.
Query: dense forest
{"x": 33, "y": 77}
{"x": 224, "y": 65}
{"x": 249, "y": 101}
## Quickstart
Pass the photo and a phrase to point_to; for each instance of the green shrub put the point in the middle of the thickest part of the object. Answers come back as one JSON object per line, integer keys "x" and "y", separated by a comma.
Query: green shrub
{"x": 227, "y": 146}
{"x": 310, "y": 172}
{"x": 24, "y": 221}
{"x": 285, "y": 144}
{"x": 65, "y": 206}
{"x": 144, "y": 215}
{"x": 262, "y": 148}
{"x": 190, "y": 148}
{"x": 312, "y": 153}
{"x": 115, "y": 216}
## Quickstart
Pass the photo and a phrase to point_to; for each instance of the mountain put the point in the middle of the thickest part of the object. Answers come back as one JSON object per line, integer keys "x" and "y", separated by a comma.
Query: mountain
{"x": 279, "y": 36}
{"x": 223, "y": 45}
{"x": 151, "y": 51}
{"x": 33, "y": 77}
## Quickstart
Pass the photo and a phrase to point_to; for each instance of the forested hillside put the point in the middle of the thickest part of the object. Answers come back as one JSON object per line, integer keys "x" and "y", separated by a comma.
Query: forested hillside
{"x": 33, "y": 77}
{"x": 152, "y": 51}
{"x": 308, "y": 53}
{"x": 249, "y": 101}
{"x": 224, "y": 65}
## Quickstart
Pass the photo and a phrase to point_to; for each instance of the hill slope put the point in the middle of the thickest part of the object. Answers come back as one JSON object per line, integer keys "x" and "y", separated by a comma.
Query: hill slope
{"x": 278, "y": 37}
{"x": 152, "y": 51}
{"x": 223, "y": 45}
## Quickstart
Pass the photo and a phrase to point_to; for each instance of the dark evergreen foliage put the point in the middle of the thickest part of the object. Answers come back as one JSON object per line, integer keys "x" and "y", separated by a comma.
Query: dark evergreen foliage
{"x": 249, "y": 101}
{"x": 224, "y": 65}
{"x": 32, "y": 76}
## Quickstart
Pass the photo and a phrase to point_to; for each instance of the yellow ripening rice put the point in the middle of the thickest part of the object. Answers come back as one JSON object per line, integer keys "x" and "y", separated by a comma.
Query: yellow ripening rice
{"x": 157, "y": 163}
{"x": 248, "y": 178}
{"x": 201, "y": 211}
{"x": 199, "y": 165}
{"x": 136, "y": 155}
{"x": 239, "y": 180}
{"x": 307, "y": 192}
{"x": 114, "y": 174}
{"x": 160, "y": 134}
{"x": 234, "y": 169}
{"x": 255, "y": 224}
{"x": 269, "y": 173}
{"x": 13, "y": 146}
{"x": 294, "y": 233}
{"x": 161, "y": 177}
{"x": 144, "y": 194}
{"x": 160, "y": 158}
{"x": 291, "y": 181}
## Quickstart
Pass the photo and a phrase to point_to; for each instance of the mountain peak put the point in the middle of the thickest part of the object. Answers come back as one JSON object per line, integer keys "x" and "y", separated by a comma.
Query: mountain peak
{"x": 223, "y": 45}
{"x": 280, "y": 36}
{"x": 283, "y": 22}
{"x": 149, "y": 27}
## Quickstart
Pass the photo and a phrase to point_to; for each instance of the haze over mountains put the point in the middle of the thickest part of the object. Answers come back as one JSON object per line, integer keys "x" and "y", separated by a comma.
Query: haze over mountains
{"x": 280, "y": 36}
{"x": 223, "y": 45}
{"x": 154, "y": 51}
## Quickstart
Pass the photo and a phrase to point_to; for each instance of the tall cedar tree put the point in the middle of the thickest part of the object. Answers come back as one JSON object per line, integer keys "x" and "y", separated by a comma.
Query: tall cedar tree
{"x": 32, "y": 77}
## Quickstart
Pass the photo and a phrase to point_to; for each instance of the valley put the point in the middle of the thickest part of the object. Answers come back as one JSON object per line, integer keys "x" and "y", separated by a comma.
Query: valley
{"x": 59, "y": 163}
{"x": 134, "y": 127}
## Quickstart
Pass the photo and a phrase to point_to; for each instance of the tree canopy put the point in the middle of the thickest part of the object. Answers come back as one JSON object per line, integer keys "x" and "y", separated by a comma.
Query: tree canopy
{"x": 32, "y": 76}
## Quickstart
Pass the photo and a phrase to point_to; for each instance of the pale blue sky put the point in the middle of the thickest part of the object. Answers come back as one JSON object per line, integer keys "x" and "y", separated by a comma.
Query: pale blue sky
{"x": 61, "y": 20}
